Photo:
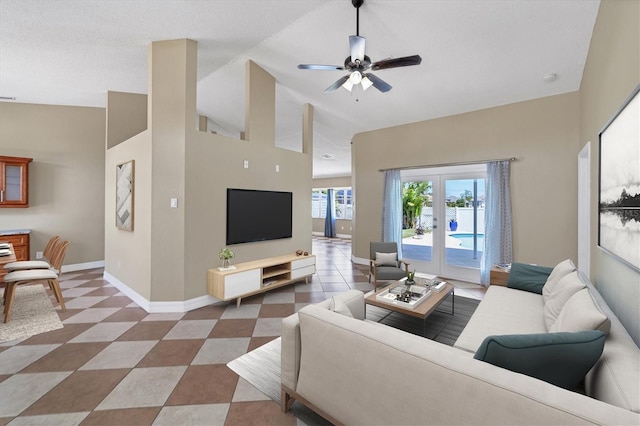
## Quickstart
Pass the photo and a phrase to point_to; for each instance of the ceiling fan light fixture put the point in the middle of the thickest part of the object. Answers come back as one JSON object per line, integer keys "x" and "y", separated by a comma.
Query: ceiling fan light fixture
{"x": 348, "y": 85}
{"x": 366, "y": 83}
{"x": 355, "y": 78}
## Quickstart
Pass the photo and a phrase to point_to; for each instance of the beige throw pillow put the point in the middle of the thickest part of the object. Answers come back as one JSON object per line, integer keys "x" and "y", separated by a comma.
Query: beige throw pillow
{"x": 566, "y": 287}
{"x": 340, "y": 307}
{"x": 581, "y": 313}
{"x": 560, "y": 270}
{"x": 386, "y": 259}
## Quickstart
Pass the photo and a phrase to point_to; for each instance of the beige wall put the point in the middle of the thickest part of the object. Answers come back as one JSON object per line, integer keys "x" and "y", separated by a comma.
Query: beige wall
{"x": 126, "y": 116}
{"x": 66, "y": 177}
{"x": 260, "y": 98}
{"x": 215, "y": 164}
{"x": 167, "y": 256}
{"x": 541, "y": 133}
{"x": 612, "y": 72}
{"x": 128, "y": 254}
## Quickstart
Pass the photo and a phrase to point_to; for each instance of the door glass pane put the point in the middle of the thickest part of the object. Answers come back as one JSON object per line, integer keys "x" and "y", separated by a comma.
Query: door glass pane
{"x": 13, "y": 185}
{"x": 465, "y": 222}
{"x": 417, "y": 226}
{"x": 339, "y": 204}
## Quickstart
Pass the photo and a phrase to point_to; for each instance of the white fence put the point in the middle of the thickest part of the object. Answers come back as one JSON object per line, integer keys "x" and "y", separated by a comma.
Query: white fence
{"x": 463, "y": 215}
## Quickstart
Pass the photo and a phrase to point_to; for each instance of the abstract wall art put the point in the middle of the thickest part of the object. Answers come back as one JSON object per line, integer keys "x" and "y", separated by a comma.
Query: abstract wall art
{"x": 125, "y": 174}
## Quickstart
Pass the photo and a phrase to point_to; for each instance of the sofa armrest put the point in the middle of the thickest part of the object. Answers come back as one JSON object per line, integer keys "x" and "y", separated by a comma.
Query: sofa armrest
{"x": 290, "y": 351}
{"x": 291, "y": 344}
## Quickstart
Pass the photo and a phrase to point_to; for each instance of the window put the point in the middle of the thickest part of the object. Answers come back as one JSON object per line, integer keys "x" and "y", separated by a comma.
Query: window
{"x": 319, "y": 203}
{"x": 343, "y": 204}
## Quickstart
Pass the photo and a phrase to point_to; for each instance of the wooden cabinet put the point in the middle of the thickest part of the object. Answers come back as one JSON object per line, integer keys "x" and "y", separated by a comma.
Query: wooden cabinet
{"x": 14, "y": 181}
{"x": 20, "y": 242}
{"x": 498, "y": 276}
{"x": 258, "y": 276}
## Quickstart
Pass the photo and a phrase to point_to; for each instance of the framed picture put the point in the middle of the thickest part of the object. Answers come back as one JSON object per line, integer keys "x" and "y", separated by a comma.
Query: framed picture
{"x": 619, "y": 183}
{"x": 125, "y": 174}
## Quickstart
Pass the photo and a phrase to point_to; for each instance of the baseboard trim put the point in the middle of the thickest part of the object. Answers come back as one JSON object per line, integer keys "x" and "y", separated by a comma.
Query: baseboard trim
{"x": 321, "y": 234}
{"x": 160, "y": 307}
{"x": 359, "y": 260}
{"x": 83, "y": 266}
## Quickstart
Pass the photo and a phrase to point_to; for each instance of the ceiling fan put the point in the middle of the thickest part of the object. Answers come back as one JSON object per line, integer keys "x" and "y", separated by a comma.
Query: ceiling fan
{"x": 358, "y": 64}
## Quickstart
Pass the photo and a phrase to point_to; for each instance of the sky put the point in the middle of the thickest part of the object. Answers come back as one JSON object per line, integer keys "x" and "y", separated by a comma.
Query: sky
{"x": 457, "y": 187}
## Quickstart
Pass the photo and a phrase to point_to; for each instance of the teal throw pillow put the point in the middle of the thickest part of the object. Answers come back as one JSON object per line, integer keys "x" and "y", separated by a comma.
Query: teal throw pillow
{"x": 528, "y": 277}
{"x": 562, "y": 359}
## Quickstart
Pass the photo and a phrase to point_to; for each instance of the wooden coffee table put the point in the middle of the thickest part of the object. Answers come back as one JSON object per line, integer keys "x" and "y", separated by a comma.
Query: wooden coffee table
{"x": 423, "y": 310}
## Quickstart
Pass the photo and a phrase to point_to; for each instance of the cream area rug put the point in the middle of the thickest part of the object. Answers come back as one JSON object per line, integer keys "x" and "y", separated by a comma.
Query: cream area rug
{"x": 32, "y": 313}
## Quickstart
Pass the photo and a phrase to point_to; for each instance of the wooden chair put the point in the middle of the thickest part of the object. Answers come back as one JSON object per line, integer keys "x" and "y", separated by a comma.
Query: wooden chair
{"x": 49, "y": 253}
{"x": 31, "y": 276}
{"x": 386, "y": 266}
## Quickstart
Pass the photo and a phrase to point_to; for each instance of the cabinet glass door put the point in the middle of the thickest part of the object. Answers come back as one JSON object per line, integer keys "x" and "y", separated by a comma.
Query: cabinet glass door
{"x": 13, "y": 183}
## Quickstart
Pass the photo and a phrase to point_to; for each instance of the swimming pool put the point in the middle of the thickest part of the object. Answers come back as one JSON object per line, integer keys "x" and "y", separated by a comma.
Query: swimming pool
{"x": 466, "y": 240}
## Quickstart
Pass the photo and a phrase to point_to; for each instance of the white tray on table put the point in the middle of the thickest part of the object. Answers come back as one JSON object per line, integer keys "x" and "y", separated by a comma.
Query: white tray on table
{"x": 386, "y": 296}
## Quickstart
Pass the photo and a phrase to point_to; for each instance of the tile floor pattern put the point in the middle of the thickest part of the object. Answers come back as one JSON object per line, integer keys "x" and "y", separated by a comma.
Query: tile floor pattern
{"x": 115, "y": 364}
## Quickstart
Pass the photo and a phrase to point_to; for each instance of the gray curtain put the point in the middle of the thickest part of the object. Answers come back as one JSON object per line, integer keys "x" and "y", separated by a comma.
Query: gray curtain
{"x": 392, "y": 209}
{"x": 498, "y": 246}
{"x": 330, "y": 219}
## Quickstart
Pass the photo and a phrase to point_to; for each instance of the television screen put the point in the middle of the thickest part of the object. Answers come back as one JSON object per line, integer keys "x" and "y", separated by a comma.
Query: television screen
{"x": 258, "y": 215}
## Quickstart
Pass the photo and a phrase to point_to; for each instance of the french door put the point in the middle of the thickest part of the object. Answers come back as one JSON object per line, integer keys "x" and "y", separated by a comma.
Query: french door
{"x": 446, "y": 238}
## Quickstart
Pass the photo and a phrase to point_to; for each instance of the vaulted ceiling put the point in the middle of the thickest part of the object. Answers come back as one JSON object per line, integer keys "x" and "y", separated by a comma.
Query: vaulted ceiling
{"x": 475, "y": 54}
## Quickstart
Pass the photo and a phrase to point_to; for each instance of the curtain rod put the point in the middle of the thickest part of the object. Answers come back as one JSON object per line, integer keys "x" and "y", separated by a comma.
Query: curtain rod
{"x": 463, "y": 163}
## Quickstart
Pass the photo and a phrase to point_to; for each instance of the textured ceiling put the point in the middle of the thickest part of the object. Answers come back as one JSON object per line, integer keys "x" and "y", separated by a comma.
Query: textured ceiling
{"x": 475, "y": 54}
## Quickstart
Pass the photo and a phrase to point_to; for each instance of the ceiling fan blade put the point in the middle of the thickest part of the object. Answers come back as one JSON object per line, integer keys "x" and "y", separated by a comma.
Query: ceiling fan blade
{"x": 320, "y": 67}
{"x": 356, "y": 44}
{"x": 378, "y": 83}
{"x": 337, "y": 84}
{"x": 396, "y": 62}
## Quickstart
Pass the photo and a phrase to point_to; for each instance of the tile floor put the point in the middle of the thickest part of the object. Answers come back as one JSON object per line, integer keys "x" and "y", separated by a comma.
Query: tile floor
{"x": 115, "y": 364}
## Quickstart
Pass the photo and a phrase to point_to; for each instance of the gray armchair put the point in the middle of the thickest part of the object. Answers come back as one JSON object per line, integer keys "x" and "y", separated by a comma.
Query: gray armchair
{"x": 386, "y": 267}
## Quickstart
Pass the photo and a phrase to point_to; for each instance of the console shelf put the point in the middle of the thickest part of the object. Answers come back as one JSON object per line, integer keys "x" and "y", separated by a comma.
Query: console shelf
{"x": 259, "y": 276}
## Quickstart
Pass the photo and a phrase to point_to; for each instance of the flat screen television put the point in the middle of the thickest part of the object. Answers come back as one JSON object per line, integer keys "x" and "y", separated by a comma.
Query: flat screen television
{"x": 254, "y": 215}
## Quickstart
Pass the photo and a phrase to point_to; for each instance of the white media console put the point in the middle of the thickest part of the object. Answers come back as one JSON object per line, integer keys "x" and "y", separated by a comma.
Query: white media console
{"x": 258, "y": 276}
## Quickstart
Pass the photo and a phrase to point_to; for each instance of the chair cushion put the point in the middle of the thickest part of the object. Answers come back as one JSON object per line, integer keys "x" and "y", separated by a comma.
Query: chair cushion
{"x": 27, "y": 264}
{"x": 30, "y": 275}
{"x": 566, "y": 287}
{"x": 528, "y": 277}
{"x": 581, "y": 312}
{"x": 562, "y": 359}
{"x": 560, "y": 270}
{"x": 389, "y": 273}
{"x": 386, "y": 259}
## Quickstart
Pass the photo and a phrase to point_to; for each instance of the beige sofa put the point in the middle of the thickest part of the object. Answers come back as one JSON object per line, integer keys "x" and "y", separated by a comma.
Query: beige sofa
{"x": 353, "y": 371}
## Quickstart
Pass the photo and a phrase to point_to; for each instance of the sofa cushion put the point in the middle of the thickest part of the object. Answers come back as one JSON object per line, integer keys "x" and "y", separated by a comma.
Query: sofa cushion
{"x": 524, "y": 276}
{"x": 581, "y": 312}
{"x": 560, "y": 270}
{"x": 503, "y": 310}
{"x": 386, "y": 259}
{"x": 566, "y": 287}
{"x": 562, "y": 359}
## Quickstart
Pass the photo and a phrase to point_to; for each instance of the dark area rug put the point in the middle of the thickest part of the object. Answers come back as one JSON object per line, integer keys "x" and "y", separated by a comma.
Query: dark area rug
{"x": 440, "y": 326}
{"x": 261, "y": 367}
